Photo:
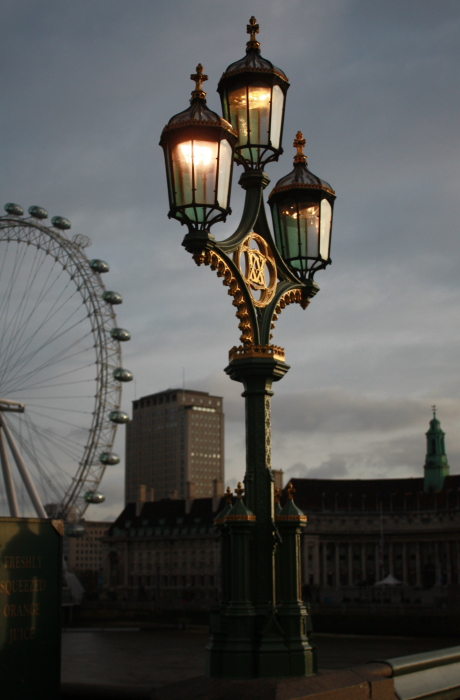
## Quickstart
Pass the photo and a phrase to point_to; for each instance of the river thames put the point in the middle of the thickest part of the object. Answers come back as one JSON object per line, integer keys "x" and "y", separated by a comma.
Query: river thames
{"x": 154, "y": 657}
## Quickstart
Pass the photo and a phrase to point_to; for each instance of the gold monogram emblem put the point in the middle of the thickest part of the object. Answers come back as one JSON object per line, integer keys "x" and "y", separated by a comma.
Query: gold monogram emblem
{"x": 256, "y": 263}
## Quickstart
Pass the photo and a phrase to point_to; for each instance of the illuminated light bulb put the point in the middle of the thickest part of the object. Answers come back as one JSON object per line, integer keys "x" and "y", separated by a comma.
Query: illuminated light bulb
{"x": 202, "y": 155}
{"x": 257, "y": 97}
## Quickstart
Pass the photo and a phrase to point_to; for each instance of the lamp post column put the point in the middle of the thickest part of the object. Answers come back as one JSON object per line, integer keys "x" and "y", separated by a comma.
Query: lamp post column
{"x": 257, "y": 375}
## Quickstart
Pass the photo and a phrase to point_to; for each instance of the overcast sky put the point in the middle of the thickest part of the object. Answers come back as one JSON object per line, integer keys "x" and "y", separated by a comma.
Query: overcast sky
{"x": 87, "y": 87}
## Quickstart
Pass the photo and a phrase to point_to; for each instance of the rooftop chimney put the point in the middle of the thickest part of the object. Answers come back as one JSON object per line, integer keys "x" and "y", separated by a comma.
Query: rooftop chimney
{"x": 217, "y": 492}
{"x": 146, "y": 494}
{"x": 190, "y": 497}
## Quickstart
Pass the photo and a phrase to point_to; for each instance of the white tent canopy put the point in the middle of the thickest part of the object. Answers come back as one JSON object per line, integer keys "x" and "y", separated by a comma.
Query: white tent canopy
{"x": 390, "y": 580}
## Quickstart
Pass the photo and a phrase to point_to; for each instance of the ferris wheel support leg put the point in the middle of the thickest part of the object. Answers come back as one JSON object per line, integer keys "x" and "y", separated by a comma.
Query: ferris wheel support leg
{"x": 24, "y": 472}
{"x": 8, "y": 477}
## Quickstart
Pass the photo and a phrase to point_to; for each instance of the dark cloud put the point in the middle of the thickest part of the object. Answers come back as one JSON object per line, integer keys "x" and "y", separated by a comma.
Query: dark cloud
{"x": 87, "y": 88}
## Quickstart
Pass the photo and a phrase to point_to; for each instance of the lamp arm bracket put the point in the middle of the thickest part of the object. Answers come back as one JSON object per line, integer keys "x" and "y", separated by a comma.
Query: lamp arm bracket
{"x": 252, "y": 204}
{"x": 286, "y": 293}
{"x": 232, "y": 278}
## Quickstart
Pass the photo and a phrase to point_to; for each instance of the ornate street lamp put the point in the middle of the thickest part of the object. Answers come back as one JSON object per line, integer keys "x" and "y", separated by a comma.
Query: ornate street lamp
{"x": 253, "y": 95}
{"x": 260, "y": 627}
{"x": 302, "y": 205}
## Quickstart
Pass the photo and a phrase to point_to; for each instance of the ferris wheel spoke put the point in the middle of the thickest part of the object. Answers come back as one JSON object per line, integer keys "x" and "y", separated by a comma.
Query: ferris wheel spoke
{"x": 61, "y": 408}
{"x": 22, "y": 359}
{"x": 40, "y": 385}
{"x": 5, "y": 304}
{"x": 72, "y": 425}
{"x": 21, "y": 340}
{"x": 64, "y": 445}
{"x": 51, "y": 313}
{"x": 45, "y": 382}
{"x": 29, "y": 448}
{"x": 41, "y": 448}
{"x": 56, "y": 359}
{"x": 19, "y": 323}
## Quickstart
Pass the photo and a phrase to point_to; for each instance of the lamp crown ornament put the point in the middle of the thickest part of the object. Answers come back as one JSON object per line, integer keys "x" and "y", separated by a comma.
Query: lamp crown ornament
{"x": 239, "y": 490}
{"x": 229, "y": 495}
{"x": 299, "y": 143}
{"x": 277, "y": 495}
{"x": 252, "y": 28}
{"x": 290, "y": 491}
{"x": 199, "y": 79}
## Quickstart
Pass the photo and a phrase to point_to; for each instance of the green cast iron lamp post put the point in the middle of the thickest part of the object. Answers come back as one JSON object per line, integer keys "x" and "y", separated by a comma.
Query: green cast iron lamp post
{"x": 260, "y": 627}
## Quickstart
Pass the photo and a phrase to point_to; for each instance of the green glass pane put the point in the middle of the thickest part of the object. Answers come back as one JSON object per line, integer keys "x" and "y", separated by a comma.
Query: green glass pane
{"x": 237, "y": 100}
{"x": 259, "y": 113}
{"x": 277, "y": 116}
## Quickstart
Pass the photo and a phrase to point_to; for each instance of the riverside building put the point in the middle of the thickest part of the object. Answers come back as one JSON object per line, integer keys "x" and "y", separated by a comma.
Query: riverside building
{"x": 362, "y": 531}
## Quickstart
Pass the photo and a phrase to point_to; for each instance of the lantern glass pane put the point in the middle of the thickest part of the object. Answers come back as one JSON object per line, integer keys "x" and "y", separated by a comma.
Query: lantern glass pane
{"x": 259, "y": 113}
{"x": 309, "y": 231}
{"x": 169, "y": 178}
{"x": 194, "y": 166}
{"x": 238, "y": 106}
{"x": 277, "y": 115}
{"x": 325, "y": 231}
{"x": 182, "y": 173}
{"x": 289, "y": 225}
{"x": 225, "y": 168}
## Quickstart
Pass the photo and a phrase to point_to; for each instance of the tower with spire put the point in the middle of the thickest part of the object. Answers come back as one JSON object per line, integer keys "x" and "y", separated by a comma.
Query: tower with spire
{"x": 436, "y": 464}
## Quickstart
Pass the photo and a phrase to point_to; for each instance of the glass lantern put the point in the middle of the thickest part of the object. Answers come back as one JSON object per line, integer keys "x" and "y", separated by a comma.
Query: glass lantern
{"x": 302, "y": 206}
{"x": 253, "y": 94}
{"x": 198, "y": 147}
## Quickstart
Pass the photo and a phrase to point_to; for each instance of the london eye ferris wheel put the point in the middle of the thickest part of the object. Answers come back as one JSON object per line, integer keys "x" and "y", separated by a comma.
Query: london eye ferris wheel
{"x": 61, "y": 371}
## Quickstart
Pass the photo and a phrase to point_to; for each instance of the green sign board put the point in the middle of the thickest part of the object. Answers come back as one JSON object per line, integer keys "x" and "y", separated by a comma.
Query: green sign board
{"x": 30, "y": 608}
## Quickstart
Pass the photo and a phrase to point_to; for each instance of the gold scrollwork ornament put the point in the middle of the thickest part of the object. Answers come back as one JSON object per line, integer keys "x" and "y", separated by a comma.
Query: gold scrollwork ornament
{"x": 256, "y": 263}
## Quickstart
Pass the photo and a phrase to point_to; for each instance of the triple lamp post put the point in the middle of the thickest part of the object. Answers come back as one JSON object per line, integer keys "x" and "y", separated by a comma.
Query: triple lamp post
{"x": 260, "y": 627}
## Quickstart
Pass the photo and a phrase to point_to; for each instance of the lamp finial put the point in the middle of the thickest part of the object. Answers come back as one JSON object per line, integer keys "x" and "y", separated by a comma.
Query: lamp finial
{"x": 239, "y": 490}
{"x": 299, "y": 143}
{"x": 199, "y": 79}
{"x": 228, "y": 495}
{"x": 290, "y": 491}
{"x": 252, "y": 28}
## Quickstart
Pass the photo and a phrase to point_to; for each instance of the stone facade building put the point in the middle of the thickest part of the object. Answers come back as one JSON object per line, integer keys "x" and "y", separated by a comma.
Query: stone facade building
{"x": 167, "y": 552}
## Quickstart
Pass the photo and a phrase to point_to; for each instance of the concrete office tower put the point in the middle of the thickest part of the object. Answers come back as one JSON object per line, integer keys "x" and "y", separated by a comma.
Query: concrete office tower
{"x": 175, "y": 446}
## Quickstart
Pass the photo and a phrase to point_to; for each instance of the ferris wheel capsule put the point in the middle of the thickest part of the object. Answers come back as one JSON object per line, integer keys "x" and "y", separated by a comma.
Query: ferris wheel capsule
{"x": 81, "y": 241}
{"x": 99, "y": 266}
{"x": 38, "y": 212}
{"x": 61, "y": 223}
{"x": 14, "y": 209}
{"x": 123, "y": 375}
{"x": 120, "y": 334}
{"x": 112, "y": 297}
{"x": 94, "y": 497}
{"x": 109, "y": 458}
{"x": 74, "y": 530}
{"x": 118, "y": 417}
